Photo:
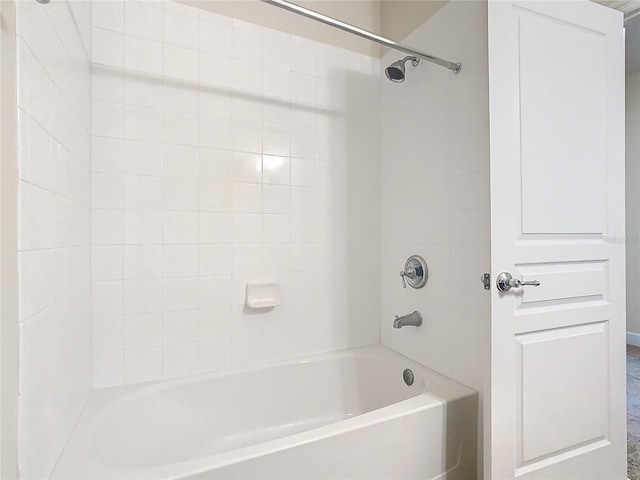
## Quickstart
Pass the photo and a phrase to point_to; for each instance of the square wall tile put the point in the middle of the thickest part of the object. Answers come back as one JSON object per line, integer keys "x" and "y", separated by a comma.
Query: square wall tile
{"x": 247, "y": 228}
{"x": 246, "y": 350}
{"x": 214, "y": 228}
{"x": 180, "y": 327}
{"x": 142, "y": 227}
{"x": 142, "y": 158}
{"x": 108, "y": 334}
{"x": 180, "y": 161}
{"x": 276, "y": 170}
{"x": 108, "y": 369}
{"x": 214, "y": 164}
{"x": 107, "y": 262}
{"x": 179, "y": 227}
{"x": 140, "y": 92}
{"x": 142, "y": 261}
{"x": 247, "y": 198}
{"x": 107, "y": 298}
{"x": 247, "y": 167}
{"x": 106, "y": 190}
{"x": 214, "y": 355}
{"x": 143, "y": 124}
{"x": 143, "y": 55}
{"x": 107, "y": 155}
{"x": 142, "y": 192}
{"x": 214, "y": 291}
{"x": 107, "y": 227}
{"x": 215, "y": 196}
{"x": 214, "y": 70}
{"x": 180, "y": 194}
{"x": 142, "y": 296}
{"x": 214, "y": 260}
{"x": 247, "y": 136}
{"x": 107, "y": 47}
{"x": 180, "y": 62}
{"x": 108, "y": 15}
{"x": 213, "y": 131}
{"x": 276, "y": 48}
{"x": 215, "y": 37}
{"x": 247, "y": 75}
{"x": 142, "y": 365}
{"x": 107, "y": 119}
{"x": 181, "y": 30}
{"x": 143, "y": 20}
{"x": 275, "y": 199}
{"x": 143, "y": 330}
{"x": 214, "y": 323}
{"x": 180, "y": 260}
{"x": 180, "y": 360}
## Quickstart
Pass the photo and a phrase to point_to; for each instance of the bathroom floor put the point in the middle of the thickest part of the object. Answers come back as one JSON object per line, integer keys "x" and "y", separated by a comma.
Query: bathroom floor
{"x": 633, "y": 412}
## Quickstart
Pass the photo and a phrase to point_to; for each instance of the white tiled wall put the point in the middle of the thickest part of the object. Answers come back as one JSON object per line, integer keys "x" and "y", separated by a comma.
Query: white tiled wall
{"x": 435, "y": 197}
{"x": 222, "y": 152}
{"x": 54, "y": 99}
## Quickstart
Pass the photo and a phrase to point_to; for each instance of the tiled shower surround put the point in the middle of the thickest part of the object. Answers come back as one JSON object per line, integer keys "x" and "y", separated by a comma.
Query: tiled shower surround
{"x": 54, "y": 179}
{"x": 224, "y": 152}
{"x": 221, "y": 152}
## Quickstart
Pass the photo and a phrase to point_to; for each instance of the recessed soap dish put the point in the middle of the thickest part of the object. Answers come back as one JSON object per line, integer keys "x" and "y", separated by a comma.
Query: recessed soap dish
{"x": 262, "y": 294}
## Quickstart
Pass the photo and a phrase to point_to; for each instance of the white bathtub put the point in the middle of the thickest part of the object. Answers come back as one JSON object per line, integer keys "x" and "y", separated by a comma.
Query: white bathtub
{"x": 342, "y": 415}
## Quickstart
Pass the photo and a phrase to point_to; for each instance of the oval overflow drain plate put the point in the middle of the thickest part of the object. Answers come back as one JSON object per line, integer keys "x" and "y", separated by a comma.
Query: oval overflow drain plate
{"x": 407, "y": 375}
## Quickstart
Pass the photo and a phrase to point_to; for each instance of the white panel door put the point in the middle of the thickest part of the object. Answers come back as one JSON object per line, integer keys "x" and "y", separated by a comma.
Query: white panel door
{"x": 556, "y": 74}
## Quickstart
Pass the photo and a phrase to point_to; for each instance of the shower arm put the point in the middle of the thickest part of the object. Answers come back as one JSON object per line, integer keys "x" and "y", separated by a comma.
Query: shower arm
{"x": 305, "y": 12}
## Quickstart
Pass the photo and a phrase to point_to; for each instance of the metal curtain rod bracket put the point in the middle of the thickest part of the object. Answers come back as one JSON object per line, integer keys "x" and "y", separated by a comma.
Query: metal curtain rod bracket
{"x": 305, "y": 12}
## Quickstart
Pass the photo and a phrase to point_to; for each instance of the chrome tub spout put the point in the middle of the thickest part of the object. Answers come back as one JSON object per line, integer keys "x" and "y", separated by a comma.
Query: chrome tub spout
{"x": 410, "y": 320}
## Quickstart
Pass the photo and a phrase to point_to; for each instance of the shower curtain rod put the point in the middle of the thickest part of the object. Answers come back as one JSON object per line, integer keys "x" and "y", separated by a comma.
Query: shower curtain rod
{"x": 305, "y": 12}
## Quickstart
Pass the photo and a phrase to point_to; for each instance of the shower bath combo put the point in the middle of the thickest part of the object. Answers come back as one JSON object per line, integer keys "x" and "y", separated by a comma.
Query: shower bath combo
{"x": 371, "y": 408}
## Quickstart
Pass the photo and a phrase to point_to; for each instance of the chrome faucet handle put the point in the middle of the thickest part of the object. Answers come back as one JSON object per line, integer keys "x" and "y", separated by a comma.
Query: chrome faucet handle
{"x": 415, "y": 272}
{"x": 410, "y": 272}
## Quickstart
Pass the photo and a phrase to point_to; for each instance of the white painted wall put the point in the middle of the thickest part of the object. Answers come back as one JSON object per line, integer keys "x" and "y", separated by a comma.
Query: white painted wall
{"x": 53, "y": 70}
{"x": 222, "y": 152}
{"x": 435, "y": 197}
{"x": 632, "y": 139}
{"x": 394, "y": 19}
{"x": 365, "y": 14}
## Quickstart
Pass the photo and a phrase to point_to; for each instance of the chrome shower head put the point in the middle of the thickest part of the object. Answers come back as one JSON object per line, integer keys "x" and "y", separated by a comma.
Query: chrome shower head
{"x": 396, "y": 71}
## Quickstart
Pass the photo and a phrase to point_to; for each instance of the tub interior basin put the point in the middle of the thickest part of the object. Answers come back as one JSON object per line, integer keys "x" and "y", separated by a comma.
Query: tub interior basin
{"x": 179, "y": 421}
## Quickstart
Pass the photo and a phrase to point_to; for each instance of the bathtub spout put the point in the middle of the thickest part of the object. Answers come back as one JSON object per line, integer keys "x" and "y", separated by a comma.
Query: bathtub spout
{"x": 412, "y": 320}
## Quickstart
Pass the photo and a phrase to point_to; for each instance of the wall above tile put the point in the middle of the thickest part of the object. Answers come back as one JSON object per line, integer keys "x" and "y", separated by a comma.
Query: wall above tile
{"x": 363, "y": 13}
{"x": 391, "y": 18}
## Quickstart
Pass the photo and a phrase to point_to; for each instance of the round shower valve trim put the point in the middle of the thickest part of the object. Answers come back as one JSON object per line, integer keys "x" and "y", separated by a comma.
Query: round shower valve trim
{"x": 415, "y": 273}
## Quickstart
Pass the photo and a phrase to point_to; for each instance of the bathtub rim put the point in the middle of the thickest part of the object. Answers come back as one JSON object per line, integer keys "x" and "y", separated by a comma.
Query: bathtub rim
{"x": 446, "y": 388}
{"x": 438, "y": 390}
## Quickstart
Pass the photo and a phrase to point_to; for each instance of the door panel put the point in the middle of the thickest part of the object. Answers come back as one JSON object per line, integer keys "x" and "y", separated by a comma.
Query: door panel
{"x": 565, "y": 399}
{"x": 561, "y": 65}
{"x": 559, "y": 281}
{"x": 557, "y": 191}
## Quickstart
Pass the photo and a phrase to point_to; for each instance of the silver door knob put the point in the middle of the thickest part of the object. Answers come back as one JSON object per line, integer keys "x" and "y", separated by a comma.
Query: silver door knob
{"x": 506, "y": 282}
